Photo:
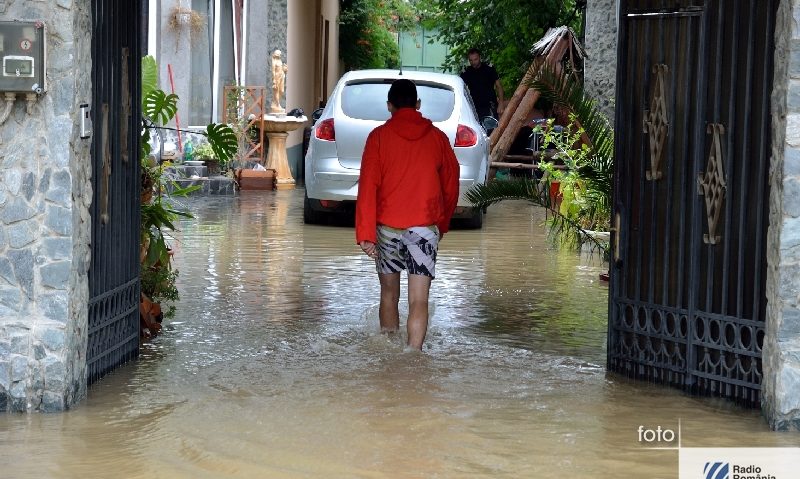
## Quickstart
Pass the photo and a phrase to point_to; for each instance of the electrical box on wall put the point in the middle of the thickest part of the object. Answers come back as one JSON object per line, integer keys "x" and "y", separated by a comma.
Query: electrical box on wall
{"x": 22, "y": 52}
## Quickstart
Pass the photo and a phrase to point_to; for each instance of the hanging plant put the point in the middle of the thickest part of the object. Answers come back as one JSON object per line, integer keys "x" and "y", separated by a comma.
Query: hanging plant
{"x": 182, "y": 19}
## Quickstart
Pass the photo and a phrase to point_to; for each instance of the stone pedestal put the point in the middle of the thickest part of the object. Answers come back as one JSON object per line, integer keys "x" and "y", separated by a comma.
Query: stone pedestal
{"x": 277, "y": 128}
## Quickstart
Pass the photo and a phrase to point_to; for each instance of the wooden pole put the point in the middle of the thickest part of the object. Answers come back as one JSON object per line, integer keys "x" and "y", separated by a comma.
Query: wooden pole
{"x": 518, "y": 117}
{"x": 177, "y": 118}
{"x": 513, "y": 103}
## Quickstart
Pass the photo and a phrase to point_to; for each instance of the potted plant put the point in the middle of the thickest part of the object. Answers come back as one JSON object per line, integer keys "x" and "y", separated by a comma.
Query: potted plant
{"x": 206, "y": 153}
{"x": 159, "y": 209}
{"x": 580, "y": 204}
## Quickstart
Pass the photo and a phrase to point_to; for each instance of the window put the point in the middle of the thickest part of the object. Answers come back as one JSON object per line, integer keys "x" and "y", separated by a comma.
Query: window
{"x": 367, "y": 100}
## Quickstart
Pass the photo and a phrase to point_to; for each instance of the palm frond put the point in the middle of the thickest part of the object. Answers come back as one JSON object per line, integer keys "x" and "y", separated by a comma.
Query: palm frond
{"x": 537, "y": 193}
{"x": 562, "y": 89}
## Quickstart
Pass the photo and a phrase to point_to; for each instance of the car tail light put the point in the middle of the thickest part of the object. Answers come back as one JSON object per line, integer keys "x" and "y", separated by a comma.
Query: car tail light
{"x": 466, "y": 136}
{"x": 325, "y": 130}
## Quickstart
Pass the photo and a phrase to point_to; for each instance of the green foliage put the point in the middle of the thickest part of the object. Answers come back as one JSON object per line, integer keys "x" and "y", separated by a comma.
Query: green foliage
{"x": 241, "y": 135}
{"x": 149, "y": 75}
{"x": 597, "y": 165}
{"x": 563, "y": 228}
{"x": 159, "y": 285}
{"x": 204, "y": 151}
{"x": 367, "y": 31}
{"x": 159, "y": 106}
{"x": 575, "y": 205}
{"x": 504, "y": 30}
{"x": 585, "y": 186}
{"x": 159, "y": 210}
{"x": 223, "y": 141}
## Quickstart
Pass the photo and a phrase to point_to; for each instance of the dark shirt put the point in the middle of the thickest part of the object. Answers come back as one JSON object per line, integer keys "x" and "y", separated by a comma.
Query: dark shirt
{"x": 480, "y": 82}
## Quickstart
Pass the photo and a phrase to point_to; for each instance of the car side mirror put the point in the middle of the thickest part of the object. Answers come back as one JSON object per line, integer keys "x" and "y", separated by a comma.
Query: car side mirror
{"x": 489, "y": 123}
{"x": 316, "y": 115}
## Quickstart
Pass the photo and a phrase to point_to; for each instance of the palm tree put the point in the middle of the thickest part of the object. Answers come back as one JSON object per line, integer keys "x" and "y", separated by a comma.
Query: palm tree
{"x": 590, "y": 167}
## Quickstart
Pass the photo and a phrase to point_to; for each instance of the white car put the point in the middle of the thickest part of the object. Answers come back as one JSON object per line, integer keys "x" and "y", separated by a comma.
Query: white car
{"x": 356, "y": 106}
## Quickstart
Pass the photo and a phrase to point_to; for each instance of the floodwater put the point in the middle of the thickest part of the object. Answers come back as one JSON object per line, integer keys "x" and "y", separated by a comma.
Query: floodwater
{"x": 274, "y": 367}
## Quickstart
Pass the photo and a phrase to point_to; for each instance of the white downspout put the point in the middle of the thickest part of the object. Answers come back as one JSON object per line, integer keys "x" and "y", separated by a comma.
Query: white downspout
{"x": 152, "y": 29}
{"x": 215, "y": 68}
{"x": 235, "y": 32}
{"x": 244, "y": 44}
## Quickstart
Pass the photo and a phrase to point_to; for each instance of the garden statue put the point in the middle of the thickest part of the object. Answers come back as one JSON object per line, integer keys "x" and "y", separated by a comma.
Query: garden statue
{"x": 276, "y": 125}
{"x": 279, "y": 70}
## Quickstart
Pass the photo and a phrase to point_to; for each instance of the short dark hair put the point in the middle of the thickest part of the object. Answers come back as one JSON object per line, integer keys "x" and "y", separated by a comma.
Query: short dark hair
{"x": 473, "y": 51}
{"x": 403, "y": 94}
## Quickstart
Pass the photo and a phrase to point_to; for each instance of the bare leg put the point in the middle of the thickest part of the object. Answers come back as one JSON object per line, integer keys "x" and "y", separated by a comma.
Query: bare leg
{"x": 390, "y": 296}
{"x": 418, "y": 288}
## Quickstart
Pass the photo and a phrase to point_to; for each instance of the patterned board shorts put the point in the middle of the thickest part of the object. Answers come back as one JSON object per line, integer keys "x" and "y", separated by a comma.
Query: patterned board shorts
{"x": 413, "y": 249}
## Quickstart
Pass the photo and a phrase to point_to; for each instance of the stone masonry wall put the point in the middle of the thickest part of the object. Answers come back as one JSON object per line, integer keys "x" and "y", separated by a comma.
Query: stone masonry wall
{"x": 45, "y": 194}
{"x": 781, "y": 353}
{"x": 600, "y": 67}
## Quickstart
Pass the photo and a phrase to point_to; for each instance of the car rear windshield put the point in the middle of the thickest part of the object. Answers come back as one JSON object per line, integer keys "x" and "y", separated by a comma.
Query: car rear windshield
{"x": 366, "y": 100}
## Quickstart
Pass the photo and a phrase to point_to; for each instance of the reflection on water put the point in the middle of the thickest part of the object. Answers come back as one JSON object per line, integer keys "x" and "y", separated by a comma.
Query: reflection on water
{"x": 274, "y": 367}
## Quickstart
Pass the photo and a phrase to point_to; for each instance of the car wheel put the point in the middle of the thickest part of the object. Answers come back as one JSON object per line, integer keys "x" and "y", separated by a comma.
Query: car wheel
{"x": 310, "y": 215}
{"x": 476, "y": 220}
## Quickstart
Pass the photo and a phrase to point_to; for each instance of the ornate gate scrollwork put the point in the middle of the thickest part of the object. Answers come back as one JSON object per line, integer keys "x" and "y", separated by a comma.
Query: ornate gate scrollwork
{"x": 712, "y": 184}
{"x": 655, "y": 120}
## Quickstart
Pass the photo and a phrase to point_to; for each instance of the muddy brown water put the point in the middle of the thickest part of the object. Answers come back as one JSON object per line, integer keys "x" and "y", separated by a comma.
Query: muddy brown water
{"x": 273, "y": 367}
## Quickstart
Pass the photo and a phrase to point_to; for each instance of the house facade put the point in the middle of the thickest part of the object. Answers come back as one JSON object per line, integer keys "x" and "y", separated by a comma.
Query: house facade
{"x": 201, "y": 46}
{"x": 69, "y": 291}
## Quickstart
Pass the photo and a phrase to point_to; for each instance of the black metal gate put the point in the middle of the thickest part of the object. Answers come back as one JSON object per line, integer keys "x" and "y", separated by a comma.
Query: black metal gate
{"x": 691, "y": 194}
{"x": 114, "y": 271}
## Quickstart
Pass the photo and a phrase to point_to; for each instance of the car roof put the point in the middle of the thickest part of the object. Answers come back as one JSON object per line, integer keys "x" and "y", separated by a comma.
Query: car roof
{"x": 444, "y": 78}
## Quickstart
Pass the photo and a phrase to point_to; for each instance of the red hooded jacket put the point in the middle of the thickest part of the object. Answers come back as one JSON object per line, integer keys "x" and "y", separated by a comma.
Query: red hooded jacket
{"x": 409, "y": 176}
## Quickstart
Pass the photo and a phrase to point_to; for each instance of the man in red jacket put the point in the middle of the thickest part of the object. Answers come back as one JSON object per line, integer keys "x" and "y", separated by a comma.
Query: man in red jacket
{"x": 407, "y": 192}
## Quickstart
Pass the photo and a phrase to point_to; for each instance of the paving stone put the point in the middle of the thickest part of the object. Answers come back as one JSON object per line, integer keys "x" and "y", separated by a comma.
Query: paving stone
{"x": 16, "y": 210}
{"x": 60, "y": 191}
{"x": 53, "y": 338}
{"x": 7, "y": 270}
{"x": 53, "y": 402}
{"x": 54, "y": 306}
{"x": 11, "y": 298}
{"x": 22, "y": 233}
{"x": 5, "y": 374}
{"x": 22, "y": 260}
{"x": 56, "y": 248}
{"x": 59, "y": 220}
{"x": 55, "y": 275}
{"x": 19, "y": 367}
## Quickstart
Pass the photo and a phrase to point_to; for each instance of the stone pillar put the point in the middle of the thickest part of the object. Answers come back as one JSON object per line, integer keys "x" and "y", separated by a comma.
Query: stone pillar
{"x": 781, "y": 353}
{"x": 45, "y": 195}
{"x": 175, "y": 45}
{"x": 600, "y": 67}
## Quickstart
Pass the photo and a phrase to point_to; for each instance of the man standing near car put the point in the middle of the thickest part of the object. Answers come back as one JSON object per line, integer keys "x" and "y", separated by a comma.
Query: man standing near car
{"x": 484, "y": 86}
{"x": 407, "y": 193}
